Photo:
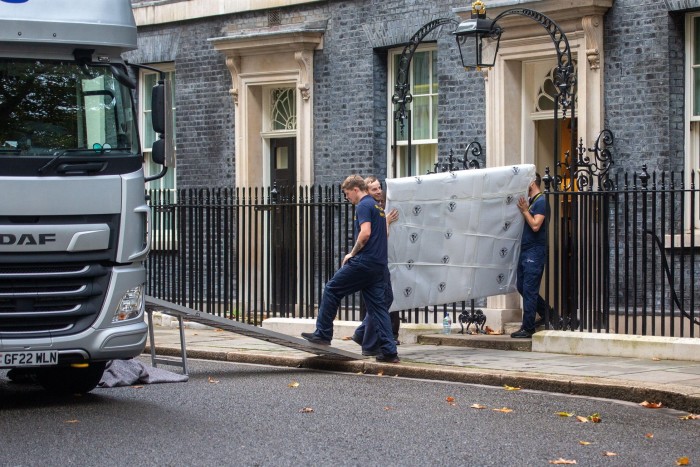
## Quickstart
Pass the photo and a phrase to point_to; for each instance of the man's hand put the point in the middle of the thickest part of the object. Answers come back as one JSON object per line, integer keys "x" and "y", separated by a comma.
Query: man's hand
{"x": 346, "y": 258}
{"x": 392, "y": 217}
{"x": 523, "y": 205}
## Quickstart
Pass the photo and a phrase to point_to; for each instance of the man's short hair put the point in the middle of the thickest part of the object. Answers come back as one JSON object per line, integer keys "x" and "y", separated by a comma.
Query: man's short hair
{"x": 354, "y": 181}
{"x": 371, "y": 179}
{"x": 538, "y": 180}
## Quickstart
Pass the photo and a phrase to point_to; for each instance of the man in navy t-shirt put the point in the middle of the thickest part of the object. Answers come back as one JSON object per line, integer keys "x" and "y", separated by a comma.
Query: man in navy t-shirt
{"x": 362, "y": 270}
{"x": 533, "y": 254}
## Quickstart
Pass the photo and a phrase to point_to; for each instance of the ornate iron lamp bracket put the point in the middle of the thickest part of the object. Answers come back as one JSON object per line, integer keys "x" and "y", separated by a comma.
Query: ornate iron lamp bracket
{"x": 402, "y": 93}
{"x": 565, "y": 76}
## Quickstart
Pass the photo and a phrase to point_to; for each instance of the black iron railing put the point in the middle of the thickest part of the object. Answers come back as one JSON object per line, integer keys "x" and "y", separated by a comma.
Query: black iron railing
{"x": 623, "y": 259}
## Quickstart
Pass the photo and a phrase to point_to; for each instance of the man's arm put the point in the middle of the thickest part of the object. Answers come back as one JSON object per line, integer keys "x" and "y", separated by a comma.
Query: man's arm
{"x": 362, "y": 238}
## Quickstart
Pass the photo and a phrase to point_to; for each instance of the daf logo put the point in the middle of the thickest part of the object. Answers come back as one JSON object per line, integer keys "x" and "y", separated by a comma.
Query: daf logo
{"x": 445, "y": 259}
{"x": 413, "y": 237}
{"x": 418, "y": 180}
{"x": 506, "y": 226}
{"x": 442, "y": 286}
{"x": 501, "y": 277}
{"x": 407, "y": 291}
{"x": 509, "y": 199}
{"x": 448, "y": 234}
{"x": 15, "y": 1}
{"x": 504, "y": 252}
{"x": 27, "y": 239}
{"x": 417, "y": 210}
{"x": 516, "y": 170}
{"x": 409, "y": 264}
{"x": 452, "y": 206}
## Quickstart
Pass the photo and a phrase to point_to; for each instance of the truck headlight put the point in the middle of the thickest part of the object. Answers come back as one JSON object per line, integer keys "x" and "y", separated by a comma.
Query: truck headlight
{"x": 131, "y": 305}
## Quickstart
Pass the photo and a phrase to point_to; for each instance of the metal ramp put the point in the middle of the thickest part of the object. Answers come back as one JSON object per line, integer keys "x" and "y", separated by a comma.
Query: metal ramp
{"x": 181, "y": 312}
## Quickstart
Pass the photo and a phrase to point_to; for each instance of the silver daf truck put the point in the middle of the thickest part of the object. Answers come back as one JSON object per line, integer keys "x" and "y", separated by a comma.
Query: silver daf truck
{"x": 74, "y": 220}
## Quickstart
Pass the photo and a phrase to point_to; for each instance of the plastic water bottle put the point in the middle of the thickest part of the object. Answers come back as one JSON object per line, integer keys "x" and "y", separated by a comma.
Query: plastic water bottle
{"x": 446, "y": 324}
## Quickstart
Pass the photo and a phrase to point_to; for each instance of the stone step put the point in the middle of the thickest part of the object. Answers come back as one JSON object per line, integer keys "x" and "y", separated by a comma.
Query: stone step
{"x": 481, "y": 341}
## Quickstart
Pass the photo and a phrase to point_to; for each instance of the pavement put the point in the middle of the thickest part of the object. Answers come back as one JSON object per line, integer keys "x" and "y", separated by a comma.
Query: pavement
{"x": 475, "y": 359}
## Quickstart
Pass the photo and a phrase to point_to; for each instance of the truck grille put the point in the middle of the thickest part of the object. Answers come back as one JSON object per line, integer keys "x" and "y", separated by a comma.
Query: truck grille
{"x": 50, "y": 299}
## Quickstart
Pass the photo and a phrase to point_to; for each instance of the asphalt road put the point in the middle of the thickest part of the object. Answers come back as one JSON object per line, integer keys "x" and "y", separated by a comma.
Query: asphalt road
{"x": 234, "y": 414}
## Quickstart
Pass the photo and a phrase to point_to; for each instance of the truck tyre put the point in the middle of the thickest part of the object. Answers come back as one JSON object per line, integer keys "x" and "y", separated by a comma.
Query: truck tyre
{"x": 70, "y": 380}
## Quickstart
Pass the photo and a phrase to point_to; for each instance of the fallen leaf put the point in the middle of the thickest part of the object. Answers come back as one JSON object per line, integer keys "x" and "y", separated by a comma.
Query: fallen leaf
{"x": 649, "y": 435}
{"x": 306, "y": 410}
{"x": 584, "y": 443}
{"x": 651, "y": 405}
{"x": 346, "y": 338}
{"x": 72, "y": 421}
{"x": 581, "y": 419}
{"x": 683, "y": 461}
{"x": 450, "y": 399}
{"x": 380, "y": 373}
{"x": 218, "y": 330}
{"x": 213, "y": 381}
{"x": 609, "y": 454}
{"x": 293, "y": 384}
{"x": 388, "y": 408}
{"x": 503, "y": 410}
{"x": 690, "y": 416}
{"x": 492, "y": 332}
{"x": 561, "y": 460}
{"x": 565, "y": 414}
{"x": 656, "y": 359}
{"x": 477, "y": 406}
{"x": 136, "y": 387}
{"x": 511, "y": 388}
{"x": 595, "y": 418}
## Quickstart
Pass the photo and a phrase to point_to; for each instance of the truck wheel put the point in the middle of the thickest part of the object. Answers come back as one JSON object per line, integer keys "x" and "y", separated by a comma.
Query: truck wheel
{"x": 70, "y": 380}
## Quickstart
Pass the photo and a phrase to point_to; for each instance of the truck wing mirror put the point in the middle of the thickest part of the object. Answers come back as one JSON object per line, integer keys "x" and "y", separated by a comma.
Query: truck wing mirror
{"x": 162, "y": 120}
{"x": 158, "y": 152}
{"x": 158, "y": 108}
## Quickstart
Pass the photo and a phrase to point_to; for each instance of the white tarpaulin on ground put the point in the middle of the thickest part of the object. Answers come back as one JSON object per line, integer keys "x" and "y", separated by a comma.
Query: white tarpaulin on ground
{"x": 458, "y": 234}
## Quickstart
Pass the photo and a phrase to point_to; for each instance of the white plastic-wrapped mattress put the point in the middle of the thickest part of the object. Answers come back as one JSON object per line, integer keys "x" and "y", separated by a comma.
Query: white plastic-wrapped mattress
{"x": 457, "y": 236}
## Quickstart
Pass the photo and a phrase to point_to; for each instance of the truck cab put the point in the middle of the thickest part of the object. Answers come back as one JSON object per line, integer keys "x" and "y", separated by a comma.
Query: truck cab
{"x": 74, "y": 217}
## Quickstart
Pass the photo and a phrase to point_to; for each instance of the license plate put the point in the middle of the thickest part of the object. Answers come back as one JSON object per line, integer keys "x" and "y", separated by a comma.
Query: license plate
{"x": 29, "y": 358}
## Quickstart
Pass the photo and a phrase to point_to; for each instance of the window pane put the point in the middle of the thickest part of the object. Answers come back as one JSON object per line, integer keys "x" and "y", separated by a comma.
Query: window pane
{"x": 696, "y": 91}
{"x": 696, "y": 40}
{"x": 421, "y": 117}
{"x": 421, "y": 73}
{"x": 427, "y": 156}
{"x": 434, "y": 117}
{"x": 434, "y": 72}
{"x": 149, "y": 82}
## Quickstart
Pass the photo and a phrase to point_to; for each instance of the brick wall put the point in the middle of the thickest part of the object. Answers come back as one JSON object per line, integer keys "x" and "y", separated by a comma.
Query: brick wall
{"x": 644, "y": 84}
{"x": 644, "y": 94}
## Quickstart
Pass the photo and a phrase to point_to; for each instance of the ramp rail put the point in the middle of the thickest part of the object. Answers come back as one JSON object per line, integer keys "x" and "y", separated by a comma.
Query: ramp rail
{"x": 248, "y": 330}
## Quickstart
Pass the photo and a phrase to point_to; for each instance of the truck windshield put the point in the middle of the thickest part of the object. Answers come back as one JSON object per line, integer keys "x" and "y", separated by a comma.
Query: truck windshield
{"x": 53, "y": 107}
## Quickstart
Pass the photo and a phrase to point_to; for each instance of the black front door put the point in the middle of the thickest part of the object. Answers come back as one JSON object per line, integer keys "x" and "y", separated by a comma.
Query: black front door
{"x": 283, "y": 228}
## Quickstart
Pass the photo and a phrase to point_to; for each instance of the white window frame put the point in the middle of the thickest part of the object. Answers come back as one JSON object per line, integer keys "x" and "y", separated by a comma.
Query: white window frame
{"x": 150, "y": 169}
{"x": 692, "y": 123}
{"x": 416, "y": 143}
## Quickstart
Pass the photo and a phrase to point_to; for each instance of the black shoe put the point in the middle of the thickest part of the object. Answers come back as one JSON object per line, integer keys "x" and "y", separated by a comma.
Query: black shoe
{"x": 522, "y": 334}
{"x": 371, "y": 353}
{"x": 388, "y": 358}
{"x": 314, "y": 339}
{"x": 356, "y": 339}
